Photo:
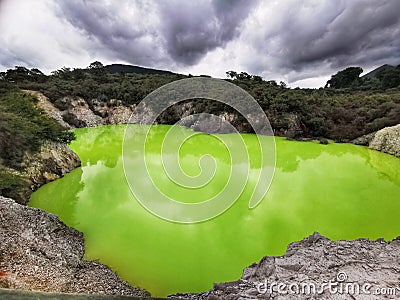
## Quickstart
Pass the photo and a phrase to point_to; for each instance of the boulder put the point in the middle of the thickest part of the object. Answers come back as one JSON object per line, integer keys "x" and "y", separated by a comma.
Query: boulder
{"x": 387, "y": 140}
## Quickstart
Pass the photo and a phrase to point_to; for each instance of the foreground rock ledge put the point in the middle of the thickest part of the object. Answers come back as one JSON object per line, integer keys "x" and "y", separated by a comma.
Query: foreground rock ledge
{"x": 39, "y": 252}
{"x": 314, "y": 261}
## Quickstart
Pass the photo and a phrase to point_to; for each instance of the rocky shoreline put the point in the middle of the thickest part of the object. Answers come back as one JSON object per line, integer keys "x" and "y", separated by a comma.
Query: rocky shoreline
{"x": 370, "y": 267}
{"x": 40, "y": 253}
{"x": 52, "y": 161}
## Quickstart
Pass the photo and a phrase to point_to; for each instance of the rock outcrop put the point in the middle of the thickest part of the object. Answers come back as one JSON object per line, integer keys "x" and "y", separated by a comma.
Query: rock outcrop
{"x": 79, "y": 114}
{"x": 119, "y": 114}
{"x": 53, "y": 161}
{"x": 387, "y": 140}
{"x": 364, "y": 140}
{"x": 40, "y": 253}
{"x": 76, "y": 112}
{"x": 44, "y": 103}
{"x": 359, "y": 269}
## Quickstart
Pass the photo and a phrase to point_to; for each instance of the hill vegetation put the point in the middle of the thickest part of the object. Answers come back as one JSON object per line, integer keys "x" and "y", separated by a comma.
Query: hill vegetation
{"x": 348, "y": 107}
{"x": 23, "y": 129}
{"x": 382, "y": 78}
{"x": 121, "y": 68}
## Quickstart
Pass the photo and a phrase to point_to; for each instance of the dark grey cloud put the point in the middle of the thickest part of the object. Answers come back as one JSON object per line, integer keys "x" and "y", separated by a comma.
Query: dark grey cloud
{"x": 334, "y": 34}
{"x": 192, "y": 30}
{"x": 176, "y": 31}
{"x": 123, "y": 30}
{"x": 359, "y": 28}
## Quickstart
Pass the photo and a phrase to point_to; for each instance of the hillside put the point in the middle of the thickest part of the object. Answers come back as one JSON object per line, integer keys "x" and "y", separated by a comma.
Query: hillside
{"x": 381, "y": 79}
{"x": 333, "y": 113}
{"x": 26, "y": 132}
{"x": 375, "y": 72}
{"x": 121, "y": 68}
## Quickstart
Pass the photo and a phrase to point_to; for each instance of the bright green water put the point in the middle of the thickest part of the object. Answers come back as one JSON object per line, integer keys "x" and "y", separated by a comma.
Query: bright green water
{"x": 343, "y": 191}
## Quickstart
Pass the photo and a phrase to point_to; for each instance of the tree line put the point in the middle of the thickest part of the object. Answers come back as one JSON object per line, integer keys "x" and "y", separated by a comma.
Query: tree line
{"x": 347, "y": 107}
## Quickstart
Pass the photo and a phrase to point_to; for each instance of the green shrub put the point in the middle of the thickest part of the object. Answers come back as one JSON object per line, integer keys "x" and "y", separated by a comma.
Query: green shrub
{"x": 24, "y": 127}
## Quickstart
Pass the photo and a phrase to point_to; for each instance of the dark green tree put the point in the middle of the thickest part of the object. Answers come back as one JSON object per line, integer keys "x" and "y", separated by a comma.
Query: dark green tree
{"x": 63, "y": 73}
{"x": 99, "y": 72}
{"x": 231, "y": 74}
{"x": 346, "y": 78}
{"x": 95, "y": 65}
{"x": 17, "y": 74}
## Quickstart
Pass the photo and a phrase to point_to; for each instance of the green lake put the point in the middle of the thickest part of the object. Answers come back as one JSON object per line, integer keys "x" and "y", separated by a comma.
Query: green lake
{"x": 342, "y": 191}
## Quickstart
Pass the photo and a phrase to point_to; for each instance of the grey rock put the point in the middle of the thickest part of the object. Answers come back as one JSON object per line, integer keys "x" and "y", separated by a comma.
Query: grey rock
{"x": 80, "y": 109}
{"x": 44, "y": 103}
{"x": 119, "y": 114}
{"x": 364, "y": 140}
{"x": 83, "y": 113}
{"x": 40, "y": 253}
{"x": 208, "y": 123}
{"x": 53, "y": 161}
{"x": 387, "y": 140}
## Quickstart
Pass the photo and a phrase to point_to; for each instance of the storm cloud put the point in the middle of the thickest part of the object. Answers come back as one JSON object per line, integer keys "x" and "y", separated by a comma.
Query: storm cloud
{"x": 181, "y": 31}
{"x": 335, "y": 35}
{"x": 302, "y": 43}
{"x": 127, "y": 31}
{"x": 190, "y": 31}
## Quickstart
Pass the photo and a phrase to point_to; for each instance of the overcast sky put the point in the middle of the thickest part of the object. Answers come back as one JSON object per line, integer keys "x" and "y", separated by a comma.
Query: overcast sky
{"x": 299, "y": 42}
